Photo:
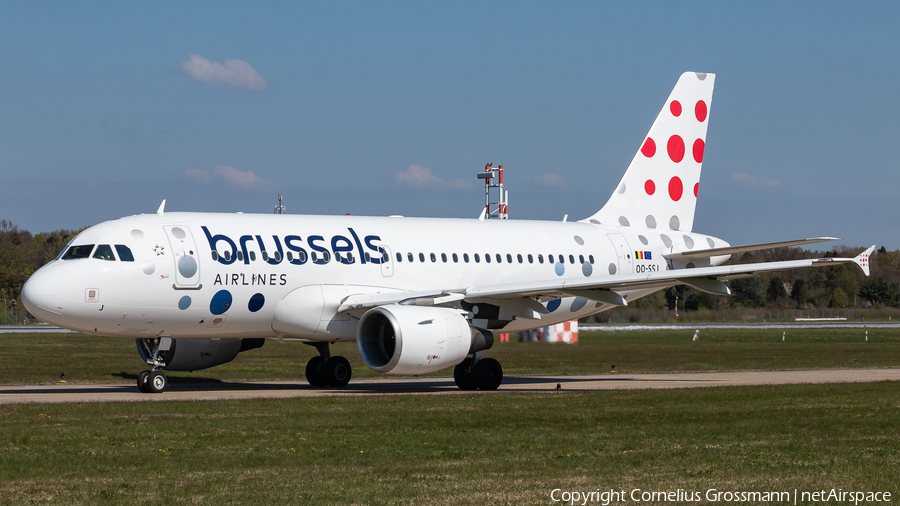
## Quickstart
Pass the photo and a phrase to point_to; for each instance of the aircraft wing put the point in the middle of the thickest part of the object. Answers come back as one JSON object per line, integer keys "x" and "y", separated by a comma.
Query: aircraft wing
{"x": 706, "y": 253}
{"x": 707, "y": 279}
{"x": 600, "y": 289}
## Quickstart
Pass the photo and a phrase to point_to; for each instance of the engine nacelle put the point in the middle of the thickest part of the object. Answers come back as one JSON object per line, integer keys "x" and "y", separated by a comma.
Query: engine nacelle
{"x": 399, "y": 339}
{"x": 196, "y": 354}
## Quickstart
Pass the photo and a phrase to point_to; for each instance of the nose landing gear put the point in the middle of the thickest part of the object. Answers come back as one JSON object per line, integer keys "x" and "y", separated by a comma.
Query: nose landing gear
{"x": 153, "y": 351}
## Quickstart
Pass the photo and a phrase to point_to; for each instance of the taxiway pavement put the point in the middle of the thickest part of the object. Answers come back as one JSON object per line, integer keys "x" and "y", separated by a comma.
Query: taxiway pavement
{"x": 211, "y": 390}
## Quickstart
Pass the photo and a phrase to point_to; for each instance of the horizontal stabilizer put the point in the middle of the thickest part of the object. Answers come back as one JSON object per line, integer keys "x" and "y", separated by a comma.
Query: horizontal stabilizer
{"x": 731, "y": 250}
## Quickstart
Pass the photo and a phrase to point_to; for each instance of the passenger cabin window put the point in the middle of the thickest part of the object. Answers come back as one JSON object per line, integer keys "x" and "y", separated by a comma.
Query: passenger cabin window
{"x": 215, "y": 255}
{"x": 124, "y": 253}
{"x": 433, "y": 258}
{"x": 252, "y": 256}
{"x": 76, "y": 252}
{"x": 519, "y": 257}
{"x": 530, "y": 259}
{"x": 422, "y": 257}
{"x": 455, "y": 258}
{"x": 591, "y": 258}
{"x": 540, "y": 259}
{"x": 399, "y": 257}
{"x": 581, "y": 259}
{"x": 509, "y": 258}
{"x": 444, "y": 257}
{"x": 409, "y": 257}
{"x": 550, "y": 259}
{"x": 487, "y": 258}
{"x": 466, "y": 257}
{"x": 240, "y": 255}
{"x": 477, "y": 259}
{"x": 499, "y": 258}
{"x": 104, "y": 252}
{"x": 572, "y": 259}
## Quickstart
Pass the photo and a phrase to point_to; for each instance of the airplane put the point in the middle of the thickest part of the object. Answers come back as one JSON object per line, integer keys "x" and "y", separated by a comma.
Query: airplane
{"x": 417, "y": 295}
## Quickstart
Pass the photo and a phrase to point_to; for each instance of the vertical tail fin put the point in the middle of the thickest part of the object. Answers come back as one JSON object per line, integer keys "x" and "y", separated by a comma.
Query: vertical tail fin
{"x": 659, "y": 189}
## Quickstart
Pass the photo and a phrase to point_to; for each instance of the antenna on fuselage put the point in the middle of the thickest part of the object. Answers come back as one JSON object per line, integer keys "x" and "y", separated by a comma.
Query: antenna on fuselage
{"x": 279, "y": 209}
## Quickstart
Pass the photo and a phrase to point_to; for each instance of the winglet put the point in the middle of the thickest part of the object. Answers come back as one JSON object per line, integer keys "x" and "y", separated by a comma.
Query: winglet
{"x": 162, "y": 207}
{"x": 862, "y": 260}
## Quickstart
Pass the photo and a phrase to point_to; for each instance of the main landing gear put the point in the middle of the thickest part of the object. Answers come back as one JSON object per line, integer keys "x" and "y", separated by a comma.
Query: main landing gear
{"x": 153, "y": 351}
{"x": 477, "y": 372}
{"x": 326, "y": 370}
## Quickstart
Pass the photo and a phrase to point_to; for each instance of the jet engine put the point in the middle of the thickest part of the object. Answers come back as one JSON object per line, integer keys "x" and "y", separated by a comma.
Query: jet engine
{"x": 196, "y": 354}
{"x": 400, "y": 339}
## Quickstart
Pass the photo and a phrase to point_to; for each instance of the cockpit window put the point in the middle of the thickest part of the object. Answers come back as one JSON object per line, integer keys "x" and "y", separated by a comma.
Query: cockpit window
{"x": 124, "y": 253}
{"x": 80, "y": 251}
{"x": 104, "y": 252}
{"x": 64, "y": 250}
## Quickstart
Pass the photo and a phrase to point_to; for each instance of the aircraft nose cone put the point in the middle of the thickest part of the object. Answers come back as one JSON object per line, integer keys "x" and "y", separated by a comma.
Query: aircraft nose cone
{"x": 44, "y": 295}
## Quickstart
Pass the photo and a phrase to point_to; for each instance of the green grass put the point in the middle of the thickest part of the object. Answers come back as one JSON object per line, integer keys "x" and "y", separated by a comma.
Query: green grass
{"x": 486, "y": 448}
{"x": 494, "y": 448}
{"x": 40, "y": 358}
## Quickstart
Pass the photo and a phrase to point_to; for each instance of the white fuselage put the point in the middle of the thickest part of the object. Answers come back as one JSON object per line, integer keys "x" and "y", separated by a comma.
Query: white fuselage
{"x": 223, "y": 275}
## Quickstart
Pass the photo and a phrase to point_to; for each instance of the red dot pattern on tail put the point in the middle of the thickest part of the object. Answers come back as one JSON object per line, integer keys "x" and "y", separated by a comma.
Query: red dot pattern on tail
{"x": 649, "y": 148}
{"x": 700, "y": 111}
{"x": 669, "y": 161}
{"x": 676, "y": 188}
{"x": 698, "y": 150}
{"x": 675, "y": 147}
{"x": 675, "y": 107}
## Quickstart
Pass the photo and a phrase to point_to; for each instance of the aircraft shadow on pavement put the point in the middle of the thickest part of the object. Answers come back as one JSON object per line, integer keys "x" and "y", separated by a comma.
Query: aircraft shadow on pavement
{"x": 172, "y": 379}
{"x": 424, "y": 385}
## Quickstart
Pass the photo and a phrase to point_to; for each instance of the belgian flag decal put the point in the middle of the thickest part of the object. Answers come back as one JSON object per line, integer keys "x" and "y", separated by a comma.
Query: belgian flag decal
{"x": 642, "y": 255}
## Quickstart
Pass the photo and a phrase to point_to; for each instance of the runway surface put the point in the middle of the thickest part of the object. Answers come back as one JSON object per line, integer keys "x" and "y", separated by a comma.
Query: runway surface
{"x": 606, "y": 327}
{"x": 197, "y": 391}
{"x": 33, "y": 329}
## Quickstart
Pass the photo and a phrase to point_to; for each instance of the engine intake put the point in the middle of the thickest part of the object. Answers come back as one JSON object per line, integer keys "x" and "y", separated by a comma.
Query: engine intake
{"x": 396, "y": 339}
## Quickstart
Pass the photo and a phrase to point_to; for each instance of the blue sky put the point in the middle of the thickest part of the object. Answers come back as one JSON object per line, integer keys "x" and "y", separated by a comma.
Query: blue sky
{"x": 108, "y": 108}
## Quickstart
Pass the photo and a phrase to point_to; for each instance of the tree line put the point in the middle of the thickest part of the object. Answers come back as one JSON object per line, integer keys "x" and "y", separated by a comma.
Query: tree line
{"x": 834, "y": 286}
{"x": 22, "y": 253}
